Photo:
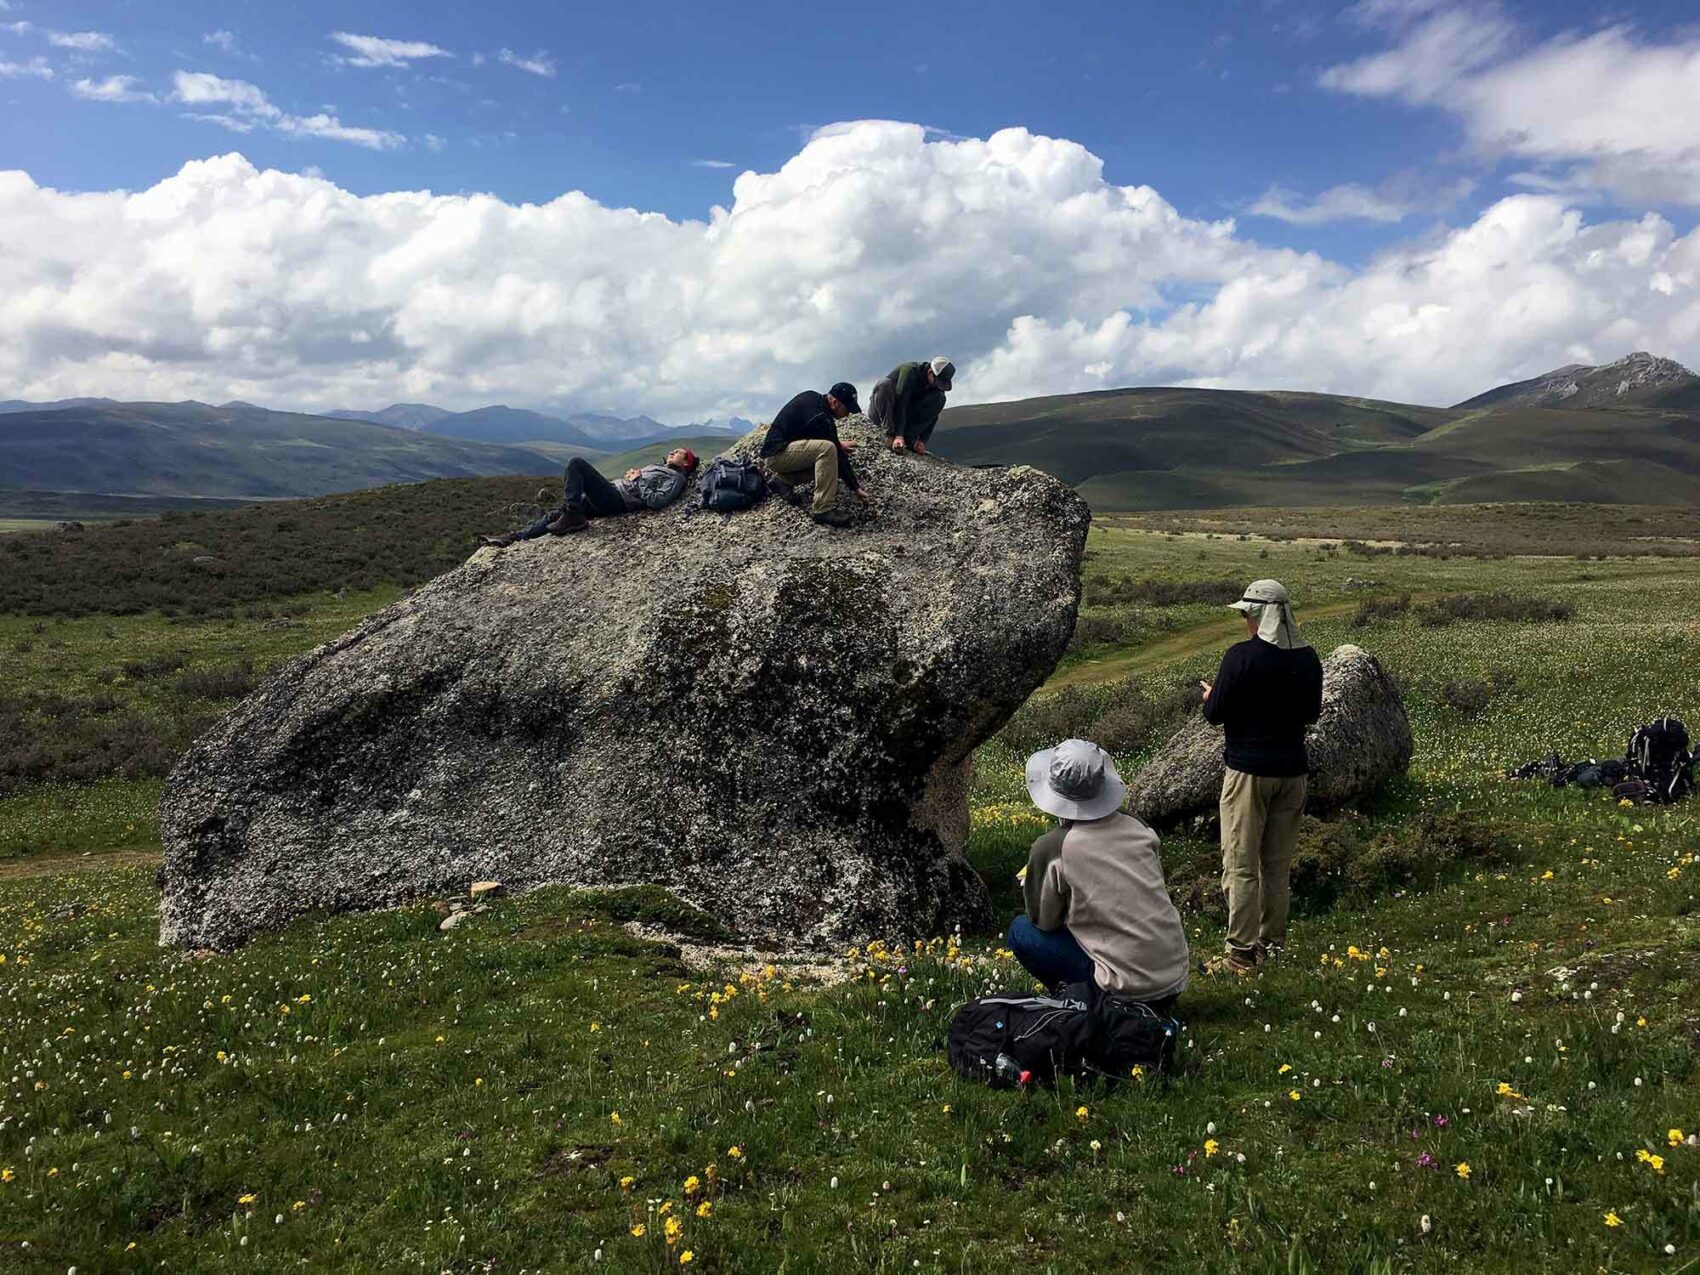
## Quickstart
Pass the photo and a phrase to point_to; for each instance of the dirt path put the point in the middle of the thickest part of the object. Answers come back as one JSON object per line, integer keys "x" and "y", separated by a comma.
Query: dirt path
{"x": 1213, "y": 635}
{"x": 42, "y": 865}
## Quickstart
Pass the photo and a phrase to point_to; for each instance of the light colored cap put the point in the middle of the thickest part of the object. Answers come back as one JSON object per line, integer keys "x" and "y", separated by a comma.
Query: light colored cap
{"x": 1260, "y": 592}
{"x": 1075, "y": 780}
{"x": 943, "y": 371}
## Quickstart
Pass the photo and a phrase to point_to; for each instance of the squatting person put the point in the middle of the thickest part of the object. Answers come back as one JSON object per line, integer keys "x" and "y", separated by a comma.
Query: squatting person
{"x": 587, "y": 494}
{"x": 906, "y": 403}
{"x": 1268, "y": 689}
{"x": 1097, "y": 908}
{"x": 802, "y": 440}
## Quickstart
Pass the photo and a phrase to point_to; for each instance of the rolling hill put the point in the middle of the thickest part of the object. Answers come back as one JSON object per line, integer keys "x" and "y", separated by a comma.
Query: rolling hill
{"x": 232, "y": 451}
{"x": 1627, "y": 432}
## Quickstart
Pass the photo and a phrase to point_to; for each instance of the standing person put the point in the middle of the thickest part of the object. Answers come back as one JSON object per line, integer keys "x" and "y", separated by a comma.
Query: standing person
{"x": 906, "y": 404}
{"x": 587, "y": 494}
{"x": 1267, "y": 691}
{"x": 1097, "y": 907}
{"x": 803, "y": 440}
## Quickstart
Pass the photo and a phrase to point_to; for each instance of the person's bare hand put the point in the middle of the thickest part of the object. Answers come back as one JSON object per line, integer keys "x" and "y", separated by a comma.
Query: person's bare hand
{"x": 1206, "y": 688}
{"x": 861, "y": 493}
{"x": 847, "y": 445}
{"x": 920, "y": 448}
{"x": 632, "y": 475}
{"x": 898, "y": 445}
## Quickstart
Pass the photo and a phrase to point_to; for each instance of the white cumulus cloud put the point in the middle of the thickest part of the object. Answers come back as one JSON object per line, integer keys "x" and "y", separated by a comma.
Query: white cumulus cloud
{"x": 539, "y": 63}
{"x": 372, "y": 50}
{"x": 224, "y": 41}
{"x": 242, "y": 107}
{"x": 83, "y": 41}
{"x": 37, "y": 68}
{"x": 1608, "y": 110}
{"x": 114, "y": 88}
{"x": 873, "y": 243}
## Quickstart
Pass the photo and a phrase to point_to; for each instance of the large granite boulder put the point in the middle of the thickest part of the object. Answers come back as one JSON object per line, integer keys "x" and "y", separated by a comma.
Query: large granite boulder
{"x": 773, "y": 718}
{"x": 1361, "y": 741}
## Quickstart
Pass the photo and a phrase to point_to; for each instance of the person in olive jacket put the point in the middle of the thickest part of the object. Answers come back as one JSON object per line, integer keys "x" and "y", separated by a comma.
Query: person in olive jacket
{"x": 1268, "y": 690}
{"x": 907, "y": 403}
{"x": 587, "y": 494}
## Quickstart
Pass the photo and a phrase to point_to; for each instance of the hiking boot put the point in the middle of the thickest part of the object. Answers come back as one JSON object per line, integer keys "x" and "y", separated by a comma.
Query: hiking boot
{"x": 1267, "y": 953}
{"x": 498, "y": 542}
{"x": 568, "y": 521}
{"x": 784, "y": 490}
{"x": 833, "y": 517}
{"x": 1229, "y": 964}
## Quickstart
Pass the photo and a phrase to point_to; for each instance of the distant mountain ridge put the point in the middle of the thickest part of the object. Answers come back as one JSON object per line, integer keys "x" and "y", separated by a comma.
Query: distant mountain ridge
{"x": 1638, "y": 378}
{"x": 1622, "y": 432}
{"x": 234, "y": 450}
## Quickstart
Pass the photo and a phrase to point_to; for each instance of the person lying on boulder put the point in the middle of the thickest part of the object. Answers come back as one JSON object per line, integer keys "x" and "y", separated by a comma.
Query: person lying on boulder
{"x": 1269, "y": 688}
{"x": 803, "y": 440}
{"x": 906, "y": 404}
{"x": 1097, "y": 907}
{"x": 587, "y": 494}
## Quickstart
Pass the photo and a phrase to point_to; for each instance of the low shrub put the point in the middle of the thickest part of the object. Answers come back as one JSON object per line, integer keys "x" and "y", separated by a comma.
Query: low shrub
{"x": 1495, "y": 606}
{"x": 1380, "y": 610}
{"x": 1102, "y": 591}
{"x": 156, "y": 666}
{"x": 1121, "y": 718}
{"x": 231, "y": 681}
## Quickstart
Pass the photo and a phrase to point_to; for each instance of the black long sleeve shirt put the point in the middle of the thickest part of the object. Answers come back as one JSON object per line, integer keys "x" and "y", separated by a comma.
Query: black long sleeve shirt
{"x": 808, "y": 416}
{"x": 1263, "y": 698}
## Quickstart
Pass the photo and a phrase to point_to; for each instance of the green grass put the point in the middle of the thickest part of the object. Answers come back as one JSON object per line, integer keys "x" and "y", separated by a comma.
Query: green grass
{"x": 446, "y": 1101}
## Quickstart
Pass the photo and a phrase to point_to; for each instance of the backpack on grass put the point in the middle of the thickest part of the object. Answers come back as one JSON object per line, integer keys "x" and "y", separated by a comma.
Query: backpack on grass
{"x": 729, "y": 486}
{"x": 1015, "y": 1040}
{"x": 1658, "y": 754}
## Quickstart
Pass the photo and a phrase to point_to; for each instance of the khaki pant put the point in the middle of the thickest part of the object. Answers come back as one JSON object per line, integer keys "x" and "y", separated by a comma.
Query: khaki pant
{"x": 798, "y": 458}
{"x": 1260, "y": 827}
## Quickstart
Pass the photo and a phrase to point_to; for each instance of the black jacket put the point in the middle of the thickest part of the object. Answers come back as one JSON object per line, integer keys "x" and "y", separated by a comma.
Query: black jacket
{"x": 1263, "y": 698}
{"x": 807, "y": 416}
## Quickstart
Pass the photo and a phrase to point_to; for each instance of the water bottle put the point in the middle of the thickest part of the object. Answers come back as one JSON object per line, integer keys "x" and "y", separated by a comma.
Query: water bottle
{"x": 1009, "y": 1071}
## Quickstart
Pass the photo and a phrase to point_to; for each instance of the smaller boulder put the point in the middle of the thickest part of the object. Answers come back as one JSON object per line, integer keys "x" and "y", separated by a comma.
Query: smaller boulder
{"x": 452, "y": 919}
{"x": 1360, "y": 743}
{"x": 482, "y": 890}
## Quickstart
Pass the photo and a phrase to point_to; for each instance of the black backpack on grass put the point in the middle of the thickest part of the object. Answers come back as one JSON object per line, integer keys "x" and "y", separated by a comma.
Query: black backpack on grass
{"x": 1015, "y": 1040}
{"x": 1658, "y": 754}
{"x": 728, "y": 486}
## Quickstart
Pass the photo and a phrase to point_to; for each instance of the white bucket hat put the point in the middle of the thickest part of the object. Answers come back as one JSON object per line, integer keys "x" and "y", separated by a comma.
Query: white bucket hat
{"x": 1075, "y": 780}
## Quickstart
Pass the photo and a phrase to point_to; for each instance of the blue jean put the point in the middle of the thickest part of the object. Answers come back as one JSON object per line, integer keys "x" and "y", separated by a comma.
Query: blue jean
{"x": 1051, "y": 956}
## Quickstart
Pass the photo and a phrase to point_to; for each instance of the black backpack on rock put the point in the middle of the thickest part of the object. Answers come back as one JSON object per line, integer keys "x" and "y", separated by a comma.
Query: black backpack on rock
{"x": 1658, "y": 754}
{"x": 728, "y": 486}
{"x": 1014, "y": 1040}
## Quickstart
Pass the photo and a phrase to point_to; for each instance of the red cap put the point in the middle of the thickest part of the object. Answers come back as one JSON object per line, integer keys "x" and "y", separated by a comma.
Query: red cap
{"x": 690, "y": 458}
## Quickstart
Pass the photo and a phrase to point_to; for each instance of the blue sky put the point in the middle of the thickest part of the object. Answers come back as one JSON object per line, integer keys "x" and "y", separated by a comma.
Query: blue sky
{"x": 1394, "y": 113}
{"x": 1211, "y": 101}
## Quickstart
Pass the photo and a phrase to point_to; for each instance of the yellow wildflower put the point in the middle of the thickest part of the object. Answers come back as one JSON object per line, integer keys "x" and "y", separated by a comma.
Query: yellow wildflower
{"x": 686, "y": 1257}
{"x": 637, "y": 1231}
{"x": 692, "y": 1185}
{"x": 1294, "y": 1094}
{"x": 705, "y": 1209}
{"x": 627, "y": 1182}
{"x": 1612, "y": 1219}
{"x": 247, "y": 1199}
{"x": 1283, "y": 1069}
{"x": 673, "y": 1229}
{"x": 615, "y": 1117}
{"x": 1080, "y": 1114}
{"x": 1210, "y": 1147}
{"x": 8, "y": 1173}
{"x": 1463, "y": 1170}
{"x": 1674, "y": 1138}
{"x": 737, "y": 1153}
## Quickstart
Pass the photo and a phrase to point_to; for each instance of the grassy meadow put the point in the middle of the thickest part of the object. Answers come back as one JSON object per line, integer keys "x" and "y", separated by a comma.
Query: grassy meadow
{"x": 1478, "y": 1052}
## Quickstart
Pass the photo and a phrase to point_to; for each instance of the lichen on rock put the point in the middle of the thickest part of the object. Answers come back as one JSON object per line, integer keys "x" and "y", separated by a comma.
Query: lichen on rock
{"x": 771, "y": 718}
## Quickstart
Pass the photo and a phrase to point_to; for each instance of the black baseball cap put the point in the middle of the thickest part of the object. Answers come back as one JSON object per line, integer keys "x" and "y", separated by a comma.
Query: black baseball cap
{"x": 845, "y": 393}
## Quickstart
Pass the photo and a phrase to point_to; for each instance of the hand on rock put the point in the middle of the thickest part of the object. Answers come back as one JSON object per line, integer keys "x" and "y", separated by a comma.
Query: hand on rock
{"x": 898, "y": 445}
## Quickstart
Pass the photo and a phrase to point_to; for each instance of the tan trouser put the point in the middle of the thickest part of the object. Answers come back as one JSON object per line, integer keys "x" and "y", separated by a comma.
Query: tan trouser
{"x": 818, "y": 454}
{"x": 1260, "y": 826}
